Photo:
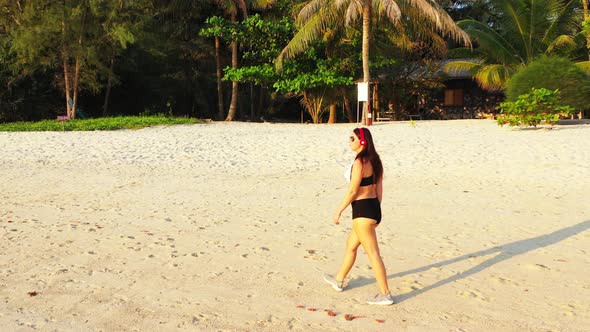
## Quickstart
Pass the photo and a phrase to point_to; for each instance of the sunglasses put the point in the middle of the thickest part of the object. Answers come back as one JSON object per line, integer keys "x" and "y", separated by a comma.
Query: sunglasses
{"x": 352, "y": 139}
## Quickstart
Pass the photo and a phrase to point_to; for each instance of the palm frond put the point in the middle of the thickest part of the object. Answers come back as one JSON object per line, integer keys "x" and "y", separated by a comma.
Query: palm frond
{"x": 498, "y": 49}
{"x": 493, "y": 77}
{"x": 564, "y": 19}
{"x": 560, "y": 42}
{"x": 310, "y": 10}
{"x": 513, "y": 18}
{"x": 352, "y": 13}
{"x": 398, "y": 37}
{"x": 389, "y": 9}
{"x": 310, "y": 31}
{"x": 585, "y": 65}
{"x": 436, "y": 15}
{"x": 455, "y": 67}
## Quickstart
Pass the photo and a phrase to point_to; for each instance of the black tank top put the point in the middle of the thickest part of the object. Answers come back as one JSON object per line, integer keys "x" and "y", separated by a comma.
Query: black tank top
{"x": 367, "y": 181}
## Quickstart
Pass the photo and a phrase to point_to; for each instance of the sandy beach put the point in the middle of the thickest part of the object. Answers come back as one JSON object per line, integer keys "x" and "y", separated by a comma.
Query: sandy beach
{"x": 227, "y": 227}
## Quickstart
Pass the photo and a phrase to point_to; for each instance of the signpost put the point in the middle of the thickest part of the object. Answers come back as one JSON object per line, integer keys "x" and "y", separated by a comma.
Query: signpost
{"x": 363, "y": 95}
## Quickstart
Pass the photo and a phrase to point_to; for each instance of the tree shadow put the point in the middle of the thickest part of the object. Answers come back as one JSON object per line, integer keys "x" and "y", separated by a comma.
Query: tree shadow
{"x": 503, "y": 252}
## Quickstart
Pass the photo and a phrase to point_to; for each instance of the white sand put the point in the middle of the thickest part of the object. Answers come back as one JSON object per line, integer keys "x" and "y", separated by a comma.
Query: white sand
{"x": 226, "y": 226}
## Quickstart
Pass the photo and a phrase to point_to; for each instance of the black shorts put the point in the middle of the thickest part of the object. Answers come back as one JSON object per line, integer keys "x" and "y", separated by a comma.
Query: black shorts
{"x": 367, "y": 208}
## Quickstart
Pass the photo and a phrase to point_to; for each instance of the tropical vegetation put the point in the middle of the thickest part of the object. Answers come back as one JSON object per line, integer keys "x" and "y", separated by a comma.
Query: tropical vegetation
{"x": 104, "y": 123}
{"x": 255, "y": 59}
{"x": 522, "y": 31}
{"x": 320, "y": 16}
{"x": 552, "y": 73}
{"x": 533, "y": 108}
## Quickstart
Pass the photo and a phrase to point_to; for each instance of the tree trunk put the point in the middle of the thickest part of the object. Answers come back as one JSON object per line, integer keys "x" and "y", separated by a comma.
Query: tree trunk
{"x": 220, "y": 107}
{"x": 233, "y": 106}
{"x": 252, "y": 107}
{"x": 306, "y": 105}
{"x": 77, "y": 65}
{"x": 107, "y": 95}
{"x": 586, "y": 16}
{"x": 75, "y": 86}
{"x": 261, "y": 100}
{"x": 348, "y": 109}
{"x": 376, "y": 105}
{"x": 67, "y": 82}
{"x": 365, "y": 54}
{"x": 66, "y": 62}
{"x": 313, "y": 105}
{"x": 332, "y": 118}
{"x": 395, "y": 101}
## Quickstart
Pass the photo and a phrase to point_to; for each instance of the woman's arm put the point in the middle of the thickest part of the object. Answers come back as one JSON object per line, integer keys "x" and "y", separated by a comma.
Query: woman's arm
{"x": 353, "y": 188}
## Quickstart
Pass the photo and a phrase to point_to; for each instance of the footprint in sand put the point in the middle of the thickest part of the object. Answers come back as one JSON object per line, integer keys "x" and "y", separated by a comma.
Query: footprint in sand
{"x": 537, "y": 267}
{"x": 134, "y": 248}
{"x": 408, "y": 285}
{"x": 216, "y": 243}
{"x": 475, "y": 294}
{"x": 436, "y": 270}
{"x": 367, "y": 268}
{"x": 503, "y": 281}
{"x": 568, "y": 310}
{"x": 312, "y": 254}
{"x": 220, "y": 222}
{"x": 575, "y": 309}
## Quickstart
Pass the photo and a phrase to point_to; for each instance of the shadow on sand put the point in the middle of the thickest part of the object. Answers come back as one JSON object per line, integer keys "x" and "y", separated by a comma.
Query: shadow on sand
{"x": 503, "y": 252}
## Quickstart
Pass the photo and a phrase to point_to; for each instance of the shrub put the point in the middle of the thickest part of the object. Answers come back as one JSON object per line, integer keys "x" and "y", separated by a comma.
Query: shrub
{"x": 552, "y": 73}
{"x": 114, "y": 123}
{"x": 532, "y": 108}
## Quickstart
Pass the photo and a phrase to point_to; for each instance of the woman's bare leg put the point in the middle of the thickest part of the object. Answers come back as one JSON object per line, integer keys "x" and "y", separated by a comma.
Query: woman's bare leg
{"x": 352, "y": 245}
{"x": 365, "y": 231}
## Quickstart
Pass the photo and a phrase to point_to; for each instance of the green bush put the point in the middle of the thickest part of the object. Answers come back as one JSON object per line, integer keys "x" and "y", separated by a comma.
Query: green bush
{"x": 552, "y": 73}
{"x": 532, "y": 108}
{"x": 114, "y": 123}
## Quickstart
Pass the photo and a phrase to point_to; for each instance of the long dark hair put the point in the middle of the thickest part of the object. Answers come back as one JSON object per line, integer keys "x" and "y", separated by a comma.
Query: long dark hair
{"x": 369, "y": 154}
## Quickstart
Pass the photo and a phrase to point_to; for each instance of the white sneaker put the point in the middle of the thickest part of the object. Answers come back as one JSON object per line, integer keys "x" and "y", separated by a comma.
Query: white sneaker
{"x": 337, "y": 285}
{"x": 381, "y": 299}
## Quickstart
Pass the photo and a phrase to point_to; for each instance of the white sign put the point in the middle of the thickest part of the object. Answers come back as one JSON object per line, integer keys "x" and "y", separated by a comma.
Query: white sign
{"x": 363, "y": 91}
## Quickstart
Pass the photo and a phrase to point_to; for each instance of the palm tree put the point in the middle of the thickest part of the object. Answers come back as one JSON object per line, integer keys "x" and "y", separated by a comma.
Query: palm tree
{"x": 317, "y": 15}
{"x": 525, "y": 30}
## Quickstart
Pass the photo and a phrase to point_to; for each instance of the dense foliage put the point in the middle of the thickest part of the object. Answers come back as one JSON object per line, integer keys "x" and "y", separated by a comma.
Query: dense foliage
{"x": 107, "y": 123}
{"x": 553, "y": 73}
{"x": 521, "y": 32}
{"x": 251, "y": 59}
{"x": 533, "y": 108}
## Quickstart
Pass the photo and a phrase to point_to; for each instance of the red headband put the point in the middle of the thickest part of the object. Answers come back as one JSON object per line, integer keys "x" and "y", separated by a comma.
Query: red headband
{"x": 362, "y": 141}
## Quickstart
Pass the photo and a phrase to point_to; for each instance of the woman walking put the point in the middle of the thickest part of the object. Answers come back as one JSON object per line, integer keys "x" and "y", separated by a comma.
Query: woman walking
{"x": 364, "y": 195}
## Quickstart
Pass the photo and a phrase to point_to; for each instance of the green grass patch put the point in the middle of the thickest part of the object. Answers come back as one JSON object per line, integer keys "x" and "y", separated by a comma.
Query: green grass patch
{"x": 114, "y": 123}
